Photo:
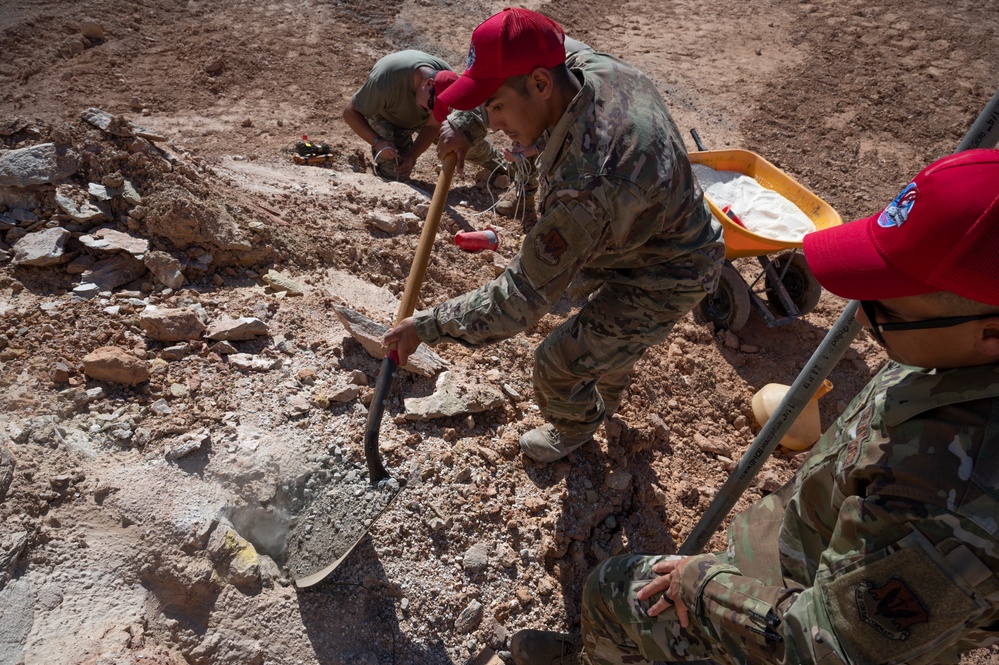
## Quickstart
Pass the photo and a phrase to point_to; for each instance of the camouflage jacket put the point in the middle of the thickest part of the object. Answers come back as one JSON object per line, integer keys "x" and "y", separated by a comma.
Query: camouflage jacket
{"x": 472, "y": 125}
{"x": 617, "y": 199}
{"x": 884, "y": 547}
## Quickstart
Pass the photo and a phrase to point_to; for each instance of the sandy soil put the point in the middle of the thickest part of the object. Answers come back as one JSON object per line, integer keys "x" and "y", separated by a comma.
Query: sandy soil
{"x": 116, "y": 551}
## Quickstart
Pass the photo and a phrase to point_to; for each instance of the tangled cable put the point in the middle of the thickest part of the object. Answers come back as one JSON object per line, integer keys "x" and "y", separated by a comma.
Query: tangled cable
{"x": 523, "y": 168}
{"x": 378, "y": 154}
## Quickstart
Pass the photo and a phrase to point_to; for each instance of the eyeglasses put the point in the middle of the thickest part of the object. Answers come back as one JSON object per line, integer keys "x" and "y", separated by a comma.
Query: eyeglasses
{"x": 870, "y": 310}
{"x": 430, "y": 99}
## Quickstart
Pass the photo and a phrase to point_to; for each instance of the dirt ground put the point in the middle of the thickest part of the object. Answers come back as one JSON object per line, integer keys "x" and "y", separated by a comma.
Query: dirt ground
{"x": 114, "y": 548}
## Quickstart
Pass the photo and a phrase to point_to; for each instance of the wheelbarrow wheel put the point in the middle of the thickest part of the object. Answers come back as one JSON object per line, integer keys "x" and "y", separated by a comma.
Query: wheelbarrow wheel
{"x": 798, "y": 281}
{"x": 728, "y": 307}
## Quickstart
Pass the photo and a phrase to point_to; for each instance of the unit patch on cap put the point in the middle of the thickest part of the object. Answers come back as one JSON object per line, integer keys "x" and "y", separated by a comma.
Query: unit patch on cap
{"x": 890, "y": 608}
{"x": 898, "y": 210}
{"x": 471, "y": 56}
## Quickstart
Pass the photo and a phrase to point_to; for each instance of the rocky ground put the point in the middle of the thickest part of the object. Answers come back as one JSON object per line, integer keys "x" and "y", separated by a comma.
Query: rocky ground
{"x": 178, "y": 386}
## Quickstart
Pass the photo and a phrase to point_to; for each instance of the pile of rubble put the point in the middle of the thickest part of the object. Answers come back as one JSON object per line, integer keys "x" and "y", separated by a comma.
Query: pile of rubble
{"x": 115, "y": 208}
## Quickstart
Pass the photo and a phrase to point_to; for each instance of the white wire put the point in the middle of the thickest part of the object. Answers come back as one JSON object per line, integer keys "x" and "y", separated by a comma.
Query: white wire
{"x": 522, "y": 172}
{"x": 396, "y": 159}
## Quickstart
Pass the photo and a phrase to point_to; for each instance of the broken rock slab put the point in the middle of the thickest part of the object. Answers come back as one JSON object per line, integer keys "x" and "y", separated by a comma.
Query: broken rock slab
{"x": 453, "y": 398}
{"x": 10, "y": 555}
{"x": 185, "y": 445}
{"x": 118, "y": 125}
{"x": 251, "y": 363}
{"x": 77, "y": 204}
{"x": 171, "y": 325}
{"x": 338, "y": 393}
{"x": 115, "y": 271}
{"x": 37, "y": 165}
{"x": 369, "y": 333}
{"x": 237, "y": 330}
{"x": 7, "y": 464}
{"x": 386, "y": 223}
{"x": 236, "y": 559}
{"x": 42, "y": 248}
{"x": 165, "y": 268}
{"x": 110, "y": 241}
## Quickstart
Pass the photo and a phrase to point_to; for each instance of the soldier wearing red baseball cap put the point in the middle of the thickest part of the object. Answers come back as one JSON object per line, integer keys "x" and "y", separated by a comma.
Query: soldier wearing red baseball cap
{"x": 618, "y": 207}
{"x": 464, "y": 134}
{"x": 884, "y": 547}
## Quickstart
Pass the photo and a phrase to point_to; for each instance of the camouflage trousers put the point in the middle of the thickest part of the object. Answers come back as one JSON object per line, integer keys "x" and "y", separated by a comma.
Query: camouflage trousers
{"x": 481, "y": 153}
{"x": 584, "y": 365}
{"x": 485, "y": 156}
{"x": 617, "y": 628}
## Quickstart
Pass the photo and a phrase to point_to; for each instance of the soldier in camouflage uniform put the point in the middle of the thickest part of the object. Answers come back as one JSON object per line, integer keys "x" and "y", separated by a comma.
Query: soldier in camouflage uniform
{"x": 396, "y": 100}
{"x": 464, "y": 133}
{"x": 884, "y": 547}
{"x": 618, "y": 202}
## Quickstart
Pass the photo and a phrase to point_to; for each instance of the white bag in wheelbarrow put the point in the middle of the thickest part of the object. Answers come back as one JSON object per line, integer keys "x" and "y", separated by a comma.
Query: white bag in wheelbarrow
{"x": 762, "y": 211}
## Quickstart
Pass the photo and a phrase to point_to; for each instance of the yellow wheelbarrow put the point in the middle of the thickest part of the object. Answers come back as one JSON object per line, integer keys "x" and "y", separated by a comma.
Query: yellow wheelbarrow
{"x": 789, "y": 286}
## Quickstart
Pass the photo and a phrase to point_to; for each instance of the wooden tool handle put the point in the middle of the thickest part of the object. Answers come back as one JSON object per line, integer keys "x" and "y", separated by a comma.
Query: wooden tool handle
{"x": 419, "y": 268}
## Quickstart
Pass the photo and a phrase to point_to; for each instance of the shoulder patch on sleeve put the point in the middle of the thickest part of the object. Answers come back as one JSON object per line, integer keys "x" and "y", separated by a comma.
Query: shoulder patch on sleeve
{"x": 558, "y": 243}
{"x": 900, "y": 602}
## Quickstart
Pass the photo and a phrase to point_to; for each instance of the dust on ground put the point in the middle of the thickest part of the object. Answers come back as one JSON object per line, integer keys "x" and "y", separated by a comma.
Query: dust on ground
{"x": 143, "y": 523}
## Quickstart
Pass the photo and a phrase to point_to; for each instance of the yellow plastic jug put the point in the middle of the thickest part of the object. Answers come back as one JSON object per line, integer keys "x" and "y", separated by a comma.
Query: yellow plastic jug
{"x": 806, "y": 429}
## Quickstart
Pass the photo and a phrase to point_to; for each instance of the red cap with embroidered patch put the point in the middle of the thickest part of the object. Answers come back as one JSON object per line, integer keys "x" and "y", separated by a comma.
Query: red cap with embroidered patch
{"x": 442, "y": 81}
{"x": 941, "y": 233}
{"x": 511, "y": 43}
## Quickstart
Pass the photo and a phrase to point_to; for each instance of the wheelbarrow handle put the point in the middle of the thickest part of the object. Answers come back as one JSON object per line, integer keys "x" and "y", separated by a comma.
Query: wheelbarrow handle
{"x": 417, "y": 271}
{"x": 697, "y": 140}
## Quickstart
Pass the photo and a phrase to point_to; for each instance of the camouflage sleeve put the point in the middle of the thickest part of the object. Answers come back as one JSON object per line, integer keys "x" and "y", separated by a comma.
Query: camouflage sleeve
{"x": 733, "y": 608}
{"x": 471, "y": 125}
{"x": 896, "y": 584}
{"x": 551, "y": 254}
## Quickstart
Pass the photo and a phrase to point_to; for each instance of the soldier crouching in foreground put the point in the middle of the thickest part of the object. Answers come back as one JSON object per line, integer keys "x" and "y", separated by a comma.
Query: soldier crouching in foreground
{"x": 884, "y": 547}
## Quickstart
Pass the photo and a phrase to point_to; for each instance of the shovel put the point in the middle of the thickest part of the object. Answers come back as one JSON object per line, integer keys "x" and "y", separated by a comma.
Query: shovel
{"x": 347, "y": 529}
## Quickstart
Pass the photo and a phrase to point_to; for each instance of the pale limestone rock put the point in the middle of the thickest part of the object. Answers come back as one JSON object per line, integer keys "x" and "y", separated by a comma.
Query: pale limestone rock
{"x": 236, "y": 330}
{"x": 451, "y": 398}
{"x": 369, "y": 333}
{"x": 280, "y": 282}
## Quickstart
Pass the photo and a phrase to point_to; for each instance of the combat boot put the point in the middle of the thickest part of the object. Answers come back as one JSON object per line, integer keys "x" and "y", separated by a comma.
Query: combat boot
{"x": 515, "y": 203}
{"x": 547, "y": 444}
{"x": 493, "y": 177}
{"x": 544, "y": 647}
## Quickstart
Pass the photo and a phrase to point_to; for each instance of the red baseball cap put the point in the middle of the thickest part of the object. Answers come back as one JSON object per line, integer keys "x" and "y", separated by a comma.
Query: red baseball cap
{"x": 941, "y": 233}
{"x": 442, "y": 81}
{"x": 511, "y": 43}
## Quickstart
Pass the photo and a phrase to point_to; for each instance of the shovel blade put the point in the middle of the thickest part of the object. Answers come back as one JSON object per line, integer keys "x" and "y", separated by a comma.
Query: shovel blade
{"x": 305, "y": 559}
{"x": 333, "y": 523}
{"x": 339, "y": 515}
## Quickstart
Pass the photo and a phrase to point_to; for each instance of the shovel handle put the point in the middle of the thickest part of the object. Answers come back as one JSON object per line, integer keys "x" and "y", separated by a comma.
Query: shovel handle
{"x": 419, "y": 268}
{"x": 417, "y": 271}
